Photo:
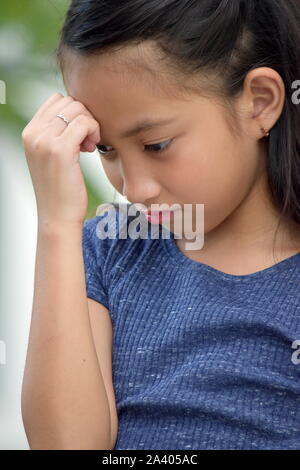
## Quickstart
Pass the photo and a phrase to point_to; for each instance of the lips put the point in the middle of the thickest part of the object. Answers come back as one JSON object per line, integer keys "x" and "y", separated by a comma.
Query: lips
{"x": 159, "y": 217}
{"x": 157, "y": 213}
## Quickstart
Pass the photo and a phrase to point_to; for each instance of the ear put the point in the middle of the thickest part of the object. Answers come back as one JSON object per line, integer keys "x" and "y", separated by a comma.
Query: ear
{"x": 265, "y": 94}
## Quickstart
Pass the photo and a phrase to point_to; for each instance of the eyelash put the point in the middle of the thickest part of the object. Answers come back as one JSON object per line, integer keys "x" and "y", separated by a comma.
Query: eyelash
{"x": 168, "y": 142}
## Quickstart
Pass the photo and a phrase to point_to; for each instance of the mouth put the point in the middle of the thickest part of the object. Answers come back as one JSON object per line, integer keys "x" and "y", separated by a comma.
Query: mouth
{"x": 158, "y": 217}
{"x": 150, "y": 212}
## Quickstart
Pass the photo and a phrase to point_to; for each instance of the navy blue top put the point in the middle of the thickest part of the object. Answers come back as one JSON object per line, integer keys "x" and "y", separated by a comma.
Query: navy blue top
{"x": 201, "y": 359}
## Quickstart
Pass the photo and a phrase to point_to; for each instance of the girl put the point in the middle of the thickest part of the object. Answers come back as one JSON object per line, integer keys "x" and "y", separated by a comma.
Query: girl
{"x": 142, "y": 343}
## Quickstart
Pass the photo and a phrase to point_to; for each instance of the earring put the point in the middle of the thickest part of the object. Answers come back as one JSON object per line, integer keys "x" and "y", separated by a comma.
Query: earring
{"x": 265, "y": 132}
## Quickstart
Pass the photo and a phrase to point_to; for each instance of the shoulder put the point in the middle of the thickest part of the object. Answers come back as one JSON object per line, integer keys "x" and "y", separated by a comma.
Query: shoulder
{"x": 114, "y": 233}
{"x": 110, "y": 223}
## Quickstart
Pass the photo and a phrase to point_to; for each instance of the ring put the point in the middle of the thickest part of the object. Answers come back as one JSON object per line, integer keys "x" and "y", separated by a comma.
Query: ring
{"x": 63, "y": 118}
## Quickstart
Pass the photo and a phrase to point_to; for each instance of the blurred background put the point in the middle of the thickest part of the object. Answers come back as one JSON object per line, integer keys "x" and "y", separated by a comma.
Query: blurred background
{"x": 28, "y": 76}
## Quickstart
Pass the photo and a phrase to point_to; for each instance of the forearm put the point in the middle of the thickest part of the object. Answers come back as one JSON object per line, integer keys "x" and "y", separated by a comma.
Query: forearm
{"x": 64, "y": 401}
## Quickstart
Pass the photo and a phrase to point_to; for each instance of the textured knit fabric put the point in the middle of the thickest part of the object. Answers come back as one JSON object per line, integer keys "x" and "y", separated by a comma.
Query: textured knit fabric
{"x": 201, "y": 359}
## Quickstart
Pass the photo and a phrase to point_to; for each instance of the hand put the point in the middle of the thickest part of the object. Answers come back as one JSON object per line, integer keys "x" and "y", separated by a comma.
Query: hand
{"x": 52, "y": 150}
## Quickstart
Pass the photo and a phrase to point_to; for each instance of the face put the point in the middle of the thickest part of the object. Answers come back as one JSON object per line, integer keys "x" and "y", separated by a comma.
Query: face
{"x": 193, "y": 159}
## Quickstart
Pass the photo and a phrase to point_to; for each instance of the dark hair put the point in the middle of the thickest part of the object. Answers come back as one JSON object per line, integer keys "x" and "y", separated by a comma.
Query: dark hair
{"x": 225, "y": 37}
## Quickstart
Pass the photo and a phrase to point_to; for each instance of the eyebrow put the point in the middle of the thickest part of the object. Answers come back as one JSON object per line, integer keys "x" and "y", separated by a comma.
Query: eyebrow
{"x": 146, "y": 124}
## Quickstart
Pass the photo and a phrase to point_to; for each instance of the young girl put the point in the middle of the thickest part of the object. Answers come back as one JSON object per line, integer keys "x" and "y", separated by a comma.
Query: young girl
{"x": 143, "y": 343}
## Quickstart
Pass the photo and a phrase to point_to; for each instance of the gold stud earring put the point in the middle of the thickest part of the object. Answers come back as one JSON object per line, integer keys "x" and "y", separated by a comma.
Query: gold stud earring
{"x": 265, "y": 132}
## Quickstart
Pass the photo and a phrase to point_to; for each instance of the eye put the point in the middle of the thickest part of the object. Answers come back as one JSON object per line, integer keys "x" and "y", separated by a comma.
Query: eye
{"x": 149, "y": 148}
{"x": 153, "y": 147}
{"x": 101, "y": 149}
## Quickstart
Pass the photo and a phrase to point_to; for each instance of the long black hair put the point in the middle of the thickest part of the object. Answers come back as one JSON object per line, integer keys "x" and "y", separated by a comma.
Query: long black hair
{"x": 226, "y": 37}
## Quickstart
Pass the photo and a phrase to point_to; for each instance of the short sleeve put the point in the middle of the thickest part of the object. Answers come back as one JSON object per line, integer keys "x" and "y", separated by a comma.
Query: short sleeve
{"x": 93, "y": 266}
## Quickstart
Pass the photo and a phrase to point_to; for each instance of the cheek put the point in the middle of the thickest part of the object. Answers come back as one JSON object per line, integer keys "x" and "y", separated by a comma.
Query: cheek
{"x": 201, "y": 172}
{"x": 230, "y": 185}
{"x": 113, "y": 174}
{"x": 219, "y": 176}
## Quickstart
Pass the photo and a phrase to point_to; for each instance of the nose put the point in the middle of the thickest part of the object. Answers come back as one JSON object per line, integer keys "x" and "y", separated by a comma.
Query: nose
{"x": 139, "y": 186}
{"x": 141, "y": 191}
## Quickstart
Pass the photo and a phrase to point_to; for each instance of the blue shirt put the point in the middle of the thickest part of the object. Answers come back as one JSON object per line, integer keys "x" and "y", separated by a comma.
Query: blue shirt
{"x": 201, "y": 359}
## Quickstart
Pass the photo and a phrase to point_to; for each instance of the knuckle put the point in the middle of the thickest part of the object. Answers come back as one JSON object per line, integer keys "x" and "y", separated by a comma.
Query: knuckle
{"x": 39, "y": 144}
{"x": 65, "y": 101}
{"x": 26, "y": 135}
{"x": 68, "y": 99}
{"x": 56, "y": 147}
{"x": 79, "y": 107}
{"x": 82, "y": 118}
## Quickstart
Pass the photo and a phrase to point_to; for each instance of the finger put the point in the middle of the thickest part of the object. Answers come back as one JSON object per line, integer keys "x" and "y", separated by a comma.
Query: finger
{"x": 80, "y": 128}
{"x": 58, "y": 127}
{"x": 49, "y": 102}
{"x": 70, "y": 112}
{"x": 53, "y": 109}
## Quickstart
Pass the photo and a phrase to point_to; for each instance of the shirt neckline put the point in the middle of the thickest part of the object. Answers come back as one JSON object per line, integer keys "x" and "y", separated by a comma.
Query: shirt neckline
{"x": 180, "y": 259}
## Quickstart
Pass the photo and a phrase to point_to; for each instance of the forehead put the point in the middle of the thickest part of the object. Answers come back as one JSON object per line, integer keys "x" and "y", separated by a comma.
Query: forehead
{"x": 130, "y": 65}
{"x": 122, "y": 84}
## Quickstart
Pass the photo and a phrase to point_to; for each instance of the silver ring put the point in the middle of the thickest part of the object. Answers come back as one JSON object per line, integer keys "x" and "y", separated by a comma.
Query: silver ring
{"x": 63, "y": 118}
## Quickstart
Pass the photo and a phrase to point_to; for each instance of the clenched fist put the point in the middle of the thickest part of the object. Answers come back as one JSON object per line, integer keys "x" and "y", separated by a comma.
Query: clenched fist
{"x": 52, "y": 150}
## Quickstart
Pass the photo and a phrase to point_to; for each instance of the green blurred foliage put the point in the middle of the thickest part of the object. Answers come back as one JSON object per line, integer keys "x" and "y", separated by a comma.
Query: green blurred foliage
{"x": 29, "y": 34}
{"x": 42, "y": 17}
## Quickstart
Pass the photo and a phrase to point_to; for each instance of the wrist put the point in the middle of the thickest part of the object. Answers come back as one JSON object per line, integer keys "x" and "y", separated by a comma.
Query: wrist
{"x": 56, "y": 228}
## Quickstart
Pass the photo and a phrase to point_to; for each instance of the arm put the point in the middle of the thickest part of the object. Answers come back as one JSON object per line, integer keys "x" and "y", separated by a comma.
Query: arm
{"x": 64, "y": 400}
